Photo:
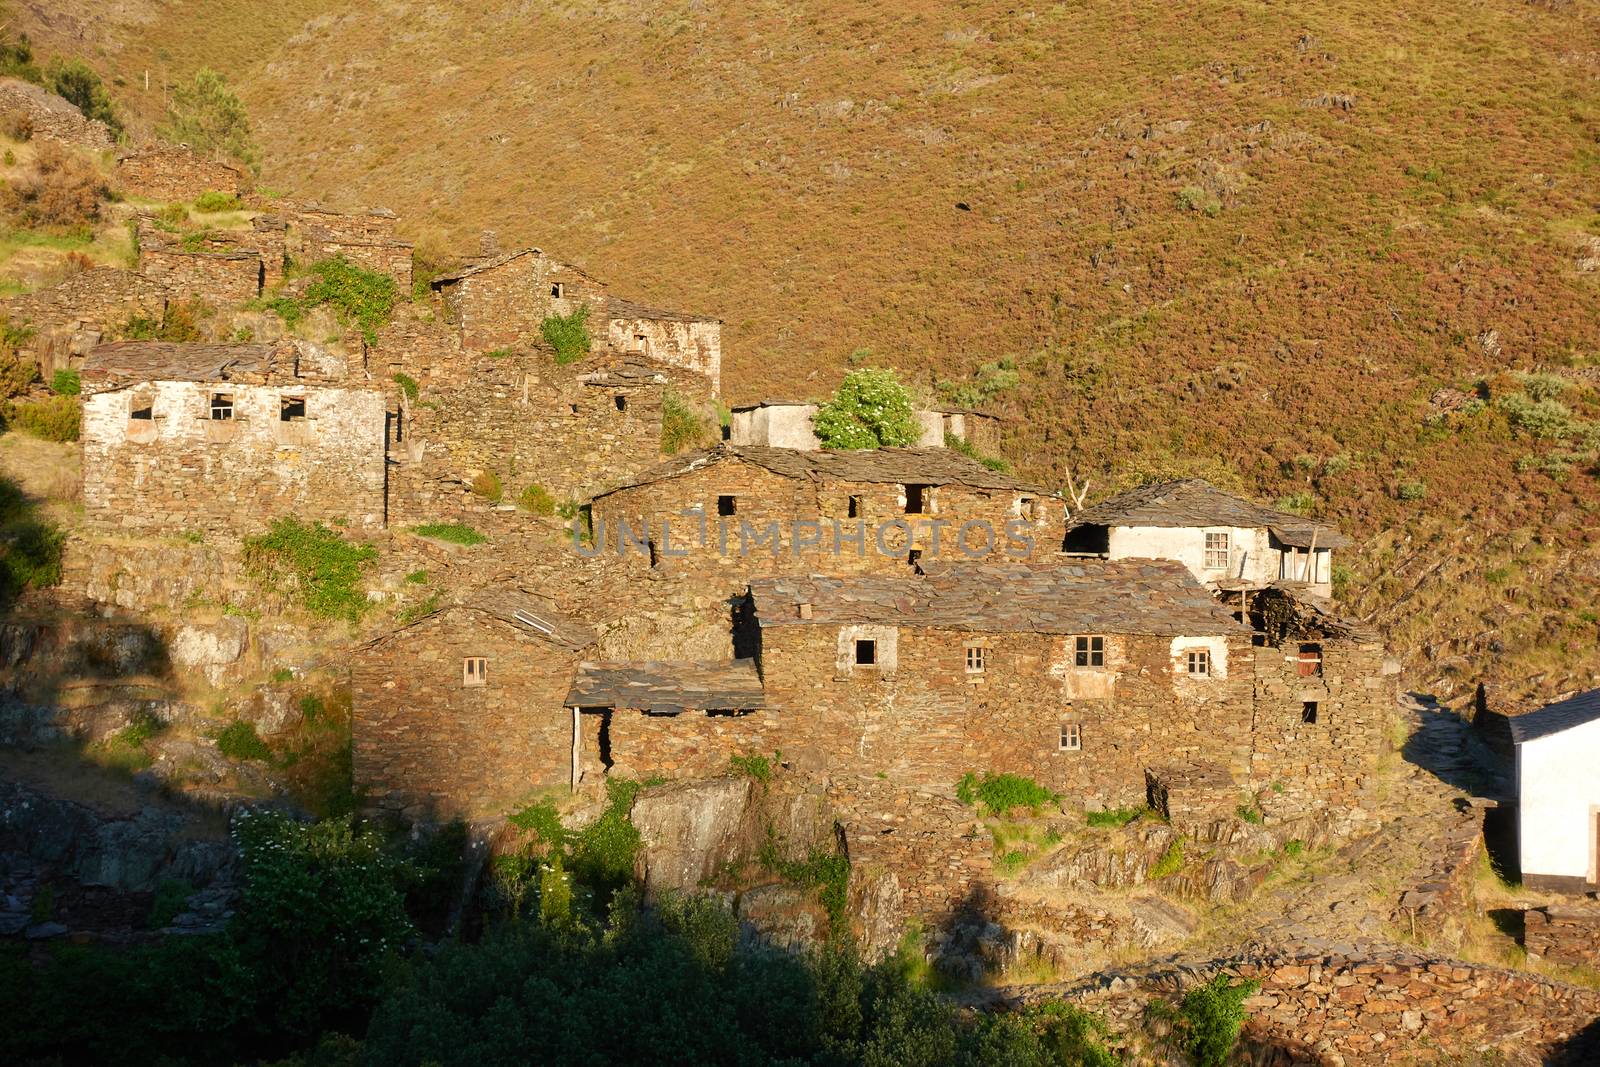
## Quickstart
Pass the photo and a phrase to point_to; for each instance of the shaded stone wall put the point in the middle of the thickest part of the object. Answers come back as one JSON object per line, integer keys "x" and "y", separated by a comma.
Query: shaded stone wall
{"x": 691, "y": 343}
{"x": 687, "y": 745}
{"x": 926, "y": 723}
{"x": 85, "y": 309}
{"x": 528, "y": 421}
{"x": 52, "y": 118}
{"x": 1329, "y": 761}
{"x": 182, "y": 470}
{"x": 220, "y": 279}
{"x": 505, "y": 305}
{"x": 173, "y": 173}
{"x": 430, "y": 747}
{"x": 934, "y": 848}
{"x": 415, "y": 343}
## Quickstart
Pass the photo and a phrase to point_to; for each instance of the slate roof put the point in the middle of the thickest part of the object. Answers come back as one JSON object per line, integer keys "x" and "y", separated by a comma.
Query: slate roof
{"x": 904, "y": 466}
{"x": 488, "y": 264}
{"x": 1554, "y": 718}
{"x": 1195, "y": 502}
{"x": 536, "y": 614}
{"x": 668, "y": 686}
{"x": 1129, "y": 596}
{"x": 618, "y": 308}
{"x": 173, "y": 361}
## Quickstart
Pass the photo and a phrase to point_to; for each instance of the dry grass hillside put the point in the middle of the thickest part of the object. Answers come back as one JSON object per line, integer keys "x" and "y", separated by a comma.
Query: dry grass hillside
{"x": 1235, "y": 237}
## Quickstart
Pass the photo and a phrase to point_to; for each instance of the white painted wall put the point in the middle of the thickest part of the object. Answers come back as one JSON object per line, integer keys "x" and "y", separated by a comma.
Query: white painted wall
{"x": 780, "y": 426}
{"x": 1251, "y": 555}
{"x": 1216, "y": 645}
{"x": 1558, "y": 779}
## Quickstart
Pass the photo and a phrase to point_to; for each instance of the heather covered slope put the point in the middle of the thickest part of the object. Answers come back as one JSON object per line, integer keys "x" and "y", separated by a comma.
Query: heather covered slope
{"x": 1207, "y": 235}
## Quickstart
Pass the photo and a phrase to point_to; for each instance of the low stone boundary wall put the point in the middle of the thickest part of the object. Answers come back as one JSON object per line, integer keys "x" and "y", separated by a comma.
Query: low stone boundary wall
{"x": 1434, "y": 904}
{"x": 1568, "y": 934}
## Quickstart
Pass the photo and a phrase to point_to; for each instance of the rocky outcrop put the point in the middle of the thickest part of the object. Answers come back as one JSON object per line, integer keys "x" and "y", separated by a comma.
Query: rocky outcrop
{"x": 689, "y": 831}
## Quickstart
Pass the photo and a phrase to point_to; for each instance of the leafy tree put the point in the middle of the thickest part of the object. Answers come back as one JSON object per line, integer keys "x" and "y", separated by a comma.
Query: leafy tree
{"x": 16, "y": 60}
{"x": 207, "y": 116}
{"x": 871, "y": 409}
{"x": 77, "y": 84}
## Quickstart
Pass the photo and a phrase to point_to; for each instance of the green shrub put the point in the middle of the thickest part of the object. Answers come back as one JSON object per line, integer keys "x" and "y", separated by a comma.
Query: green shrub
{"x": 16, "y": 60}
{"x": 1200, "y": 200}
{"x": 681, "y": 426}
{"x": 213, "y": 202}
{"x": 1547, "y": 419}
{"x": 1411, "y": 491}
{"x": 172, "y": 896}
{"x": 542, "y": 818}
{"x": 568, "y": 335}
{"x": 1000, "y": 793}
{"x": 1297, "y": 503}
{"x": 66, "y": 382}
{"x": 362, "y": 296}
{"x": 555, "y": 895}
{"x": 179, "y": 322}
{"x": 1211, "y": 1018}
{"x": 75, "y": 82}
{"x": 1250, "y": 814}
{"x": 1170, "y": 861}
{"x": 239, "y": 741}
{"x": 1543, "y": 386}
{"x": 992, "y": 379}
{"x": 1295, "y": 847}
{"x": 32, "y": 556}
{"x": 487, "y": 485}
{"x": 755, "y": 766}
{"x": 281, "y": 676}
{"x": 825, "y": 871}
{"x": 206, "y": 115}
{"x": 966, "y": 448}
{"x": 535, "y": 500}
{"x": 603, "y": 851}
{"x": 1114, "y": 816}
{"x": 124, "y": 750}
{"x": 870, "y": 409}
{"x": 457, "y": 533}
{"x": 58, "y": 418}
{"x": 408, "y": 386}
{"x": 315, "y": 563}
{"x": 417, "y": 578}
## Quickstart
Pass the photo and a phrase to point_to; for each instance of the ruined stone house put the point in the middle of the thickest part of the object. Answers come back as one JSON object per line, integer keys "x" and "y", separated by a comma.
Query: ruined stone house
{"x": 464, "y": 712}
{"x": 183, "y": 437}
{"x": 365, "y": 237}
{"x": 733, "y": 512}
{"x": 788, "y": 424}
{"x": 501, "y": 301}
{"x": 50, "y": 118}
{"x": 1227, "y": 542}
{"x": 69, "y": 319}
{"x": 174, "y": 173}
{"x": 220, "y": 272}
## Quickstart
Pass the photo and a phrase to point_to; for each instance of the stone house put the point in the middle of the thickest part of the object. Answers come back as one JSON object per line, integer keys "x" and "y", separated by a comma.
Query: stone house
{"x": 1558, "y": 794}
{"x": 71, "y": 318}
{"x": 676, "y": 338}
{"x": 787, "y": 424}
{"x": 221, "y": 274}
{"x": 182, "y": 437}
{"x": 1225, "y": 541}
{"x": 465, "y": 711}
{"x": 526, "y": 420}
{"x": 366, "y": 238}
{"x": 733, "y": 512}
{"x": 50, "y": 118}
{"x": 265, "y": 236}
{"x": 172, "y": 173}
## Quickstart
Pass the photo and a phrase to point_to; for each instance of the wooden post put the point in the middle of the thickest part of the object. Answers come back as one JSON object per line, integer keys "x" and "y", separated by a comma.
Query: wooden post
{"x": 1311, "y": 556}
{"x": 577, "y": 740}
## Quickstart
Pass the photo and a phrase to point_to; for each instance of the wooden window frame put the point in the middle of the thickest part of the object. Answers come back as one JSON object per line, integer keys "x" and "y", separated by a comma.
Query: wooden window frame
{"x": 1224, "y": 552}
{"x": 976, "y": 658}
{"x": 1084, "y": 652}
{"x": 1197, "y": 657}
{"x": 474, "y": 672}
{"x": 1070, "y": 737}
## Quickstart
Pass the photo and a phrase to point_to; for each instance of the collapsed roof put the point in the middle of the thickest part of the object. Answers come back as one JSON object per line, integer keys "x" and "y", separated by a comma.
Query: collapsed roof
{"x": 1194, "y": 502}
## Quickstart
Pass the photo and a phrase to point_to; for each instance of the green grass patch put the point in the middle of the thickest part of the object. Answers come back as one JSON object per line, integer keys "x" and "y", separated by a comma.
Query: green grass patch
{"x": 456, "y": 533}
{"x": 214, "y": 202}
{"x": 408, "y": 386}
{"x": 1000, "y": 793}
{"x": 536, "y": 500}
{"x": 681, "y": 426}
{"x": 315, "y": 564}
{"x": 66, "y": 382}
{"x": 32, "y": 557}
{"x": 756, "y": 766}
{"x": 1170, "y": 862}
{"x": 56, "y": 418}
{"x": 1250, "y": 814}
{"x": 826, "y": 872}
{"x": 239, "y": 741}
{"x": 171, "y": 898}
{"x": 568, "y": 335}
{"x": 1115, "y": 816}
{"x": 417, "y": 578}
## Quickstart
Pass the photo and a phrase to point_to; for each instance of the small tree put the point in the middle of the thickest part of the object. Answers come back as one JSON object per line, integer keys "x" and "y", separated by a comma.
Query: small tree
{"x": 1211, "y": 1017}
{"x": 871, "y": 409}
{"x": 78, "y": 85}
{"x": 207, "y": 116}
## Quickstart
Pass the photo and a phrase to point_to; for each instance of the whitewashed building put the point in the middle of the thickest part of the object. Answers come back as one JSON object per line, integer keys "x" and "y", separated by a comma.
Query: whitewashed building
{"x": 1558, "y": 789}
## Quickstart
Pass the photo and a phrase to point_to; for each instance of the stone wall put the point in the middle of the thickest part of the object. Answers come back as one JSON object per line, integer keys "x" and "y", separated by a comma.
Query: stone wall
{"x": 687, "y": 745}
{"x": 692, "y": 343}
{"x": 1565, "y": 934}
{"x": 177, "y": 173}
{"x": 385, "y": 257}
{"x": 51, "y": 117}
{"x": 504, "y": 305}
{"x": 182, "y": 470}
{"x": 572, "y": 430}
{"x": 430, "y": 747}
{"x": 220, "y": 279}
{"x": 71, "y": 318}
{"x": 926, "y": 722}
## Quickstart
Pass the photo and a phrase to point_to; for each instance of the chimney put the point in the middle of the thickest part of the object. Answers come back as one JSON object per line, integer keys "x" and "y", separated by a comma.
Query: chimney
{"x": 488, "y": 244}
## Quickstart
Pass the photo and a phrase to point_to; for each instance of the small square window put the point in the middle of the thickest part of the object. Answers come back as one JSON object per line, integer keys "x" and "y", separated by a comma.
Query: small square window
{"x": 727, "y": 505}
{"x": 1088, "y": 651}
{"x": 621, "y": 402}
{"x": 1198, "y": 663}
{"x": 918, "y": 497}
{"x": 222, "y": 406}
{"x": 977, "y": 659}
{"x": 866, "y": 653}
{"x": 1308, "y": 711}
{"x": 474, "y": 670}
{"x": 557, "y": 290}
{"x": 1071, "y": 736}
{"x": 1218, "y": 551}
{"x": 855, "y": 507}
{"x": 292, "y": 409}
{"x": 142, "y": 410}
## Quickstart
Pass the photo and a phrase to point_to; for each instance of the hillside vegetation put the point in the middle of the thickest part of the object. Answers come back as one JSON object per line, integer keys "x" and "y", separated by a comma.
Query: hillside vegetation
{"x": 1245, "y": 240}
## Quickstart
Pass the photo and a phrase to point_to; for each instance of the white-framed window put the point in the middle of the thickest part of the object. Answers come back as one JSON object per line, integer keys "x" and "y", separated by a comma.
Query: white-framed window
{"x": 1071, "y": 737}
{"x": 977, "y": 659}
{"x": 1218, "y": 550}
{"x": 1089, "y": 651}
{"x": 474, "y": 671}
{"x": 222, "y": 406}
{"x": 1197, "y": 662}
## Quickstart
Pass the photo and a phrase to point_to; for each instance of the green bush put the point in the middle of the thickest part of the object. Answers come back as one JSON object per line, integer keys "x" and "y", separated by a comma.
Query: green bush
{"x": 32, "y": 556}
{"x": 1170, "y": 861}
{"x": 487, "y": 485}
{"x": 1297, "y": 503}
{"x": 239, "y": 741}
{"x": 1547, "y": 419}
{"x": 58, "y": 418}
{"x": 457, "y": 533}
{"x": 870, "y": 409}
{"x": 315, "y": 563}
{"x": 823, "y": 870}
{"x": 681, "y": 426}
{"x": 1200, "y": 200}
{"x": 535, "y": 500}
{"x": 1250, "y": 814}
{"x": 179, "y": 322}
{"x": 1114, "y": 816}
{"x": 1211, "y": 1018}
{"x": 754, "y": 766}
{"x": 66, "y": 382}
{"x": 1411, "y": 491}
{"x": 171, "y": 897}
{"x": 408, "y": 386}
{"x": 16, "y": 60}
{"x": 966, "y": 448}
{"x": 992, "y": 379}
{"x": 568, "y": 335}
{"x": 207, "y": 116}
{"x": 75, "y": 82}
{"x": 212, "y": 202}
{"x": 545, "y": 822}
{"x": 1000, "y": 793}
{"x": 357, "y": 295}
